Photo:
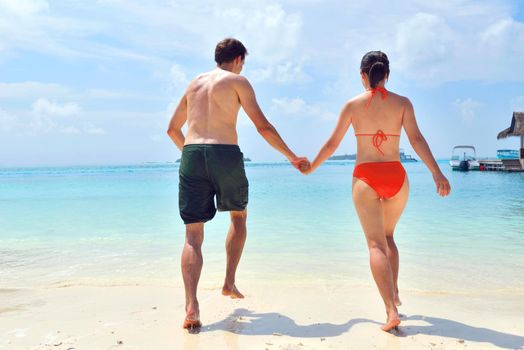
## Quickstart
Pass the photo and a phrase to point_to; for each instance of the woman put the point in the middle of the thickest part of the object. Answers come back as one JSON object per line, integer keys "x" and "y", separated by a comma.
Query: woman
{"x": 380, "y": 184}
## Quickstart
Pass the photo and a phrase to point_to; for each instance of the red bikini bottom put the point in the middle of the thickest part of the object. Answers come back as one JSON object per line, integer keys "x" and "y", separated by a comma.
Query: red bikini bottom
{"x": 386, "y": 178}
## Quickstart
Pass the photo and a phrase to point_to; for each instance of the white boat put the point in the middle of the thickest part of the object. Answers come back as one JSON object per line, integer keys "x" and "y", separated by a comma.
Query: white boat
{"x": 406, "y": 158}
{"x": 464, "y": 158}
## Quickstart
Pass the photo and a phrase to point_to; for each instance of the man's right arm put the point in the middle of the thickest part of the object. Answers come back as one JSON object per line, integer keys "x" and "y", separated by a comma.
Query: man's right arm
{"x": 177, "y": 121}
{"x": 269, "y": 133}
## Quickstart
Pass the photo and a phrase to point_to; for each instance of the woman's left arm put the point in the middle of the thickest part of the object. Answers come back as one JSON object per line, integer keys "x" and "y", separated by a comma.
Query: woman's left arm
{"x": 344, "y": 121}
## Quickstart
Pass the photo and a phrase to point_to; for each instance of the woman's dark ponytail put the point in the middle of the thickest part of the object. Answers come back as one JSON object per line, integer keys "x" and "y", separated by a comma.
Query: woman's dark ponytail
{"x": 377, "y": 72}
{"x": 376, "y": 65}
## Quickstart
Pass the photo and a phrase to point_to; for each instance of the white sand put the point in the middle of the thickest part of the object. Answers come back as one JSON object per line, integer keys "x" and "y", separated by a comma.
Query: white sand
{"x": 293, "y": 315}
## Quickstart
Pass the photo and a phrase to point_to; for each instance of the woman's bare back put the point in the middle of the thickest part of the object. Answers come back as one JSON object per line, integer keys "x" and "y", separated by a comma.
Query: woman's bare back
{"x": 377, "y": 119}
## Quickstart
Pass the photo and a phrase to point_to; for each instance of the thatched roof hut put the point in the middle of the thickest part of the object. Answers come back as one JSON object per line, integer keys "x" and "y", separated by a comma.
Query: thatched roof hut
{"x": 516, "y": 128}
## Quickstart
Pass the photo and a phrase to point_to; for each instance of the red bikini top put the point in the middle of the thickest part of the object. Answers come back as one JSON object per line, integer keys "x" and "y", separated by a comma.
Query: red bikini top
{"x": 374, "y": 90}
{"x": 379, "y": 137}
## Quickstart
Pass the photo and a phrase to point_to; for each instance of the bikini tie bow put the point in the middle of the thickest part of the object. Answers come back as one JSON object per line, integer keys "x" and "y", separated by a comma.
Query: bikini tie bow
{"x": 378, "y": 139}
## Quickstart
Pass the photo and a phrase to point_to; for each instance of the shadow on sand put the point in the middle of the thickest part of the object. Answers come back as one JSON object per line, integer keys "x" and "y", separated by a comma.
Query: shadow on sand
{"x": 246, "y": 322}
{"x": 453, "y": 329}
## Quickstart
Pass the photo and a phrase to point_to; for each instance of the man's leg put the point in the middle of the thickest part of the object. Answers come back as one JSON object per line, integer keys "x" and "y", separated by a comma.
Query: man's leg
{"x": 236, "y": 238}
{"x": 191, "y": 267}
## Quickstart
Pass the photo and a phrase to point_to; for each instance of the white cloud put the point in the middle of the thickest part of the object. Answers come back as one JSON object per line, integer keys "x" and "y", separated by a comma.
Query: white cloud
{"x": 46, "y": 107}
{"x": 178, "y": 77}
{"x": 467, "y": 108}
{"x": 442, "y": 41}
{"x": 158, "y": 138}
{"x": 51, "y": 117}
{"x": 517, "y": 104}
{"x": 64, "y": 31}
{"x": 468, "y": 42}
{"x": 291, "y": 72}
{"x": 148, "y": 32}
{"x": 504, "y": 34}
{"x": 288, "y": 72}
{"x": 260, "y": 74}
{"x": 70, "y": 130}
{"x": 39, "y": 124}
{"x": 299, "y": 108}
{"x": 115, "y": 94}
{"x": 501, "y": 47}
{"x": 177, "y": 85}
{"x": 30, "y": 89}
{"x": 23, "y": 7}
{"x": 95, "y": 131}
{"x": 33, "y": 90}
{"x": 268, "y": 30}
{"x": 292, "y": 106}
{"x": 423, "y": 43}
{"x": 428, "y": 43}
{"x": 25, "y": 123}
{"x": 26, "y": 24}
{"x": 8, "y": 122}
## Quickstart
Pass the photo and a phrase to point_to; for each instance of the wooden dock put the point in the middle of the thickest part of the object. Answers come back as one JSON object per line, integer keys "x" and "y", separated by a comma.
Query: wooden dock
{"x": 491, "y": 165}
{"x": 512, "y": 165}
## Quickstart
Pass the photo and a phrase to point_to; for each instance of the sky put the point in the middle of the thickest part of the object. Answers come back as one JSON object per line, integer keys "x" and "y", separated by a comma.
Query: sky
{"x": 96, "y": 82}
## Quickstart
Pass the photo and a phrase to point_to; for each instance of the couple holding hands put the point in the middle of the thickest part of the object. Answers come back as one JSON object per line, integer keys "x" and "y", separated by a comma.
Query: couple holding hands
{"x": 212, "y": 165}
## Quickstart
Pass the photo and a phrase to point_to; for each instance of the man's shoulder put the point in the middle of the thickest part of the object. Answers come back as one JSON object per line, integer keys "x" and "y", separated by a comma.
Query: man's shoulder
{"x": 198, "y": 80}
{"x": 235, "y": 81}
{"x": 233, "y": 77}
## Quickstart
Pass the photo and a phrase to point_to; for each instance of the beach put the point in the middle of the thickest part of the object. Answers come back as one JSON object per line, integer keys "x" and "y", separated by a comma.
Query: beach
{"x": 291, "y": 315}
{"x": 90, "y": 260}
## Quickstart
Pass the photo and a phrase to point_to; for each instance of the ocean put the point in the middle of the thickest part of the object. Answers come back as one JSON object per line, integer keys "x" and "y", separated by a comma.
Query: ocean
{"x": 119, "y": 225}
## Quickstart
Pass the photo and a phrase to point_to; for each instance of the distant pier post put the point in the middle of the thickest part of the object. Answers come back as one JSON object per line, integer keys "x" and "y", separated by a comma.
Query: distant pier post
{"x": 522, "y": 150}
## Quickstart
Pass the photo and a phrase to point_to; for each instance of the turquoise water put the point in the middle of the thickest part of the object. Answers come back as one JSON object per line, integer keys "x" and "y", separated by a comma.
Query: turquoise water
{"x": 120, "y": 225}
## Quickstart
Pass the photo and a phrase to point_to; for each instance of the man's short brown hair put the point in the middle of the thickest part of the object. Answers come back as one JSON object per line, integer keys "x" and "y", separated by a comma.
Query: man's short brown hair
{"x": 229, "y": 49}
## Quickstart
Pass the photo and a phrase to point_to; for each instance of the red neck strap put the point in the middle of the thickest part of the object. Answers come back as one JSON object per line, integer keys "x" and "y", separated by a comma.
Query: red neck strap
{"x": 374, "y": 90}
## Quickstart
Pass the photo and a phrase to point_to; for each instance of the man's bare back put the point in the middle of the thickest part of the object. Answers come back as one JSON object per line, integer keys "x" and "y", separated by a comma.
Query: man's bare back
{"x": 212, "y": 108}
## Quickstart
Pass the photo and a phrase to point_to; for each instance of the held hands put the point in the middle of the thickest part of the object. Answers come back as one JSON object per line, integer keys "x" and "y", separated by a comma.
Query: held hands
{"x": 443, "y": 187}
{"x": 301, "y": 164}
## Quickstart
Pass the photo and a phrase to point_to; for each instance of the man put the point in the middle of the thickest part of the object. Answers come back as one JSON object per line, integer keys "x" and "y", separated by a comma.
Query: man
{"x": 212, "y": 164}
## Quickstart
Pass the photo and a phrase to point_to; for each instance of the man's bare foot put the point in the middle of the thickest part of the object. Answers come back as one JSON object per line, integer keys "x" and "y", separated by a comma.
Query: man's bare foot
{"x": 191, "y": 324}
{"x": 233, "y": 292}
{"x": 192, "y": 319}
{"x": 397, "y": 301}
{"x": 392, "y": 322}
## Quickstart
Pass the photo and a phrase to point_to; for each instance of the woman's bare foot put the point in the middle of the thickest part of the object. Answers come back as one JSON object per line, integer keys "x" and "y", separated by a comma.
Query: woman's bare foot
{"x": 232, "y": 292}
{"x": 392, "y": 322}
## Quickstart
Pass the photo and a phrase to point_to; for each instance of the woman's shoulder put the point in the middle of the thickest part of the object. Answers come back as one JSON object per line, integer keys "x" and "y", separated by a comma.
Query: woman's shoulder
{"x": 356, "y": 100}
{"x": 403, "y": 100}
{"x": 363, "y": 98}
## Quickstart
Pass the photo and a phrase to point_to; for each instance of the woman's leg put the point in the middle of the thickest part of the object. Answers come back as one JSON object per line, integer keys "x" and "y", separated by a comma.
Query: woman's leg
{"x": 371, "y": 214}
{"x": 393, "y": 208}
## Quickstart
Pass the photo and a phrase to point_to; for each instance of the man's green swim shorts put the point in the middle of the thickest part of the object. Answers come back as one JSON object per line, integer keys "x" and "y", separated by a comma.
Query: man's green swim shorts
{"x": 207, "y": 170}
